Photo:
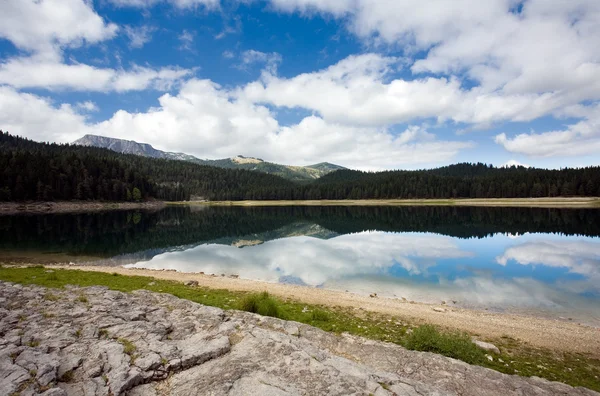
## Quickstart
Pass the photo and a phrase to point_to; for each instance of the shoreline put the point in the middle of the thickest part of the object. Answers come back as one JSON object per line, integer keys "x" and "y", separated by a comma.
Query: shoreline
{"x": 13, "y": 208}
{"x": 558, "y": 202}
{"x": 533, "y": 331}
{"x": 41, "y": 207}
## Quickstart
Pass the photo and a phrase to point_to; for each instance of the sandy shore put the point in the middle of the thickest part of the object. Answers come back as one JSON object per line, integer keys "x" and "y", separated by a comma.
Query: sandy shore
{"x": 12, "y": 208}
{"x": 559, "y": 202}
{"x": 534, "y": 331}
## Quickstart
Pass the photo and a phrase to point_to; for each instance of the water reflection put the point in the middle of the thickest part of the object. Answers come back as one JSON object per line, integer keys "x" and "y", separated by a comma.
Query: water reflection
{"x": 494, "y": 258}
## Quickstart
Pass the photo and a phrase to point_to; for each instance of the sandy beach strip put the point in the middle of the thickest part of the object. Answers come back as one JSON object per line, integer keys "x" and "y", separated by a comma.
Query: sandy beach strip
{"x": 534, "y": 331}
{"x": 557, "y": 202}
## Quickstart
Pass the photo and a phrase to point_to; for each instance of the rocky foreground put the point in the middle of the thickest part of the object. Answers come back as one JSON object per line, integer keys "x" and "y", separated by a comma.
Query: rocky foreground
{"x": 93, "y": 341}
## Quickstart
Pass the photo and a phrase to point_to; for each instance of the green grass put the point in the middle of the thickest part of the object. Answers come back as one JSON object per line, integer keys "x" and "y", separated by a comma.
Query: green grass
{"x": 262, "y": 304}
{"x": 517, "y": 358}
{"x": 456, "y": 345}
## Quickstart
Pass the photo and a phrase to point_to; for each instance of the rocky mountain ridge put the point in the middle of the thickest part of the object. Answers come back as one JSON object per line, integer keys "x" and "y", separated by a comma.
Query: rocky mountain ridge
{"x": 298, "y": 173}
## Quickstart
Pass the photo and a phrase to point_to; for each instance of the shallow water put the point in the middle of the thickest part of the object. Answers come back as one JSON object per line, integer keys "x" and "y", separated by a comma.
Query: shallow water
{"x": 545, "y": 261}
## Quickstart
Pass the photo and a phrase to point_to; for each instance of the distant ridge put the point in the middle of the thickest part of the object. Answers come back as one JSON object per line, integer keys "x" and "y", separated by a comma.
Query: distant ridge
{"x": 297, "y": 173}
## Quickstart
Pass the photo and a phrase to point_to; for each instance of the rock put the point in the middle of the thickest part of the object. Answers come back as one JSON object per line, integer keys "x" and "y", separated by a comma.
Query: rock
{"x": 490, "y": 358}
{"x": 487, "y": 346}
{"x": 438, "y": 309}
{"x": 147, "y": 343}
{"x": 191, "y": 283}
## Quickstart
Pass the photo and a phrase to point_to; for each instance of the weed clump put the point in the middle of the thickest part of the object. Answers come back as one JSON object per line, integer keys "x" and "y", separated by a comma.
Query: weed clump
{"x": 262, "y": 304}
{"x": 319, "y": 315}
{"x": 452, "y": 344}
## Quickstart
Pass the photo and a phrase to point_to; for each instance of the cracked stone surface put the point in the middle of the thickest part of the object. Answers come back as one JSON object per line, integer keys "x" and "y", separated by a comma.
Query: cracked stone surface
{"x": 93, "y": 341}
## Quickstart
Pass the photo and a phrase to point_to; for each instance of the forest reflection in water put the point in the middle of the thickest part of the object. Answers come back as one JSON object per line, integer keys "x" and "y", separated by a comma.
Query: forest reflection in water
{"x": 495, "y": 258}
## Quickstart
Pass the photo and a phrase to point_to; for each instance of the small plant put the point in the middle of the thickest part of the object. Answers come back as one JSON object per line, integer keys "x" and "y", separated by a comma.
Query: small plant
{"x": 33, "y": 343}
{"x": 22, "y": 318}
{"x": 78, "y": 333}
{"x": 455, "y": 345}
{"x": 51, "y": 297}
{"x": 47, "y": 315}
{"x": 105, "y": 379}
{"x": 52, "y": 276}
{"x": 384, "y": 386}
{"x": 82, "y": 298}
{"x": 262, "y": 304}
{"x": 102, "y": 333}
{"x": 320, "y": 316}
{"x": 129, "y": 348}
{"x": 164, "y": 361}
{"x": 32, "y": 373}
{"x": 114, "y": 274}
{"x": 67, "y": 376}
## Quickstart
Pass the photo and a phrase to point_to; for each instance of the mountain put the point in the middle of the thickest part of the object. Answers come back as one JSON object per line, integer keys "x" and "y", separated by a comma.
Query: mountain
{"x": 131, "y": 147}
{"x": 296, "y": 173}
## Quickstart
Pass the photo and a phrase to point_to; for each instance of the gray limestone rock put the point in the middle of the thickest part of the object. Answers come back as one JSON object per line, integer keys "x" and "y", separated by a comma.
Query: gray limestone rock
{"x": 146, "y": 343}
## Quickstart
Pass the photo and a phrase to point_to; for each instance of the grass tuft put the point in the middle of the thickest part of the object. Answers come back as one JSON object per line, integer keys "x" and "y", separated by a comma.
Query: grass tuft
{"x": 452, "y": 344}
{"x": 319, "y": 315}
{"x": 262, "y": 304}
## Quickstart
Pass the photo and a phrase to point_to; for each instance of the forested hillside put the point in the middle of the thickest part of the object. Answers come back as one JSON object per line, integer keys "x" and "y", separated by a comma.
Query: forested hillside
{"x": 458, "y": 181}
{"x": 41, "y": 171}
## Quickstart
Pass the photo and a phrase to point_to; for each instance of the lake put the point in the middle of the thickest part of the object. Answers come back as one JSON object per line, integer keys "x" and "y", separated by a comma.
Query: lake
{"x": 531, "y": 260}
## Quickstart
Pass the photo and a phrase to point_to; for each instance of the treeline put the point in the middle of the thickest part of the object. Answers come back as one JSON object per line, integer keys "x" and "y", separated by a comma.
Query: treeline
{"x": 42, "y": 171}
{"x": 457, "y": 181}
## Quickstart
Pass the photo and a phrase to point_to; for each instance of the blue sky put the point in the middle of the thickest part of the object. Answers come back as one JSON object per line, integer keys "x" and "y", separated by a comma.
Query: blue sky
{"x": 362, "y": 83}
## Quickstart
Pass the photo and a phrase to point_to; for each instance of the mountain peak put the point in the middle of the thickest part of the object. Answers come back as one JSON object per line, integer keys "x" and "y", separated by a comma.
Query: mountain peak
{"x": 298, "y": 173}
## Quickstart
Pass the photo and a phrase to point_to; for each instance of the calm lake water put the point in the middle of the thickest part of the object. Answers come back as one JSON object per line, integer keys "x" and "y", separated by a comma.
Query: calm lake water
{"x": 545, "y": 261}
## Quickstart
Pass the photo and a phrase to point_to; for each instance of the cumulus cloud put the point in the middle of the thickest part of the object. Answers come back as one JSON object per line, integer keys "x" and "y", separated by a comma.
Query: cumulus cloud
{"x": 39, "y": 118}
{"x": 43, "y": 25}
{"x": 360, "y": 90}
{"x": 207, "y": 120}
{"x": 53, "y": 74}
{"x": 577, "y": 139}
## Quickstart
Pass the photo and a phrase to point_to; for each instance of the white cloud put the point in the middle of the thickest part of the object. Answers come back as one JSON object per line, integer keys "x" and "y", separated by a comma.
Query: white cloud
{"x": 44, "y": 25}
{"x": 578, "y": 139}
{"x": 38, "y": 118}
{"x": 512, "y": 162}
{"x": 36, "y": 72}
{"x": 525, "y": 64}
{"x": 183, "y": 4}
{"x": 359, "y": 90}
{"x": 88, "y": 105}
{"x": 187, "y": 40}
{"x": 228, "y": 55}
{"x": 207, "y": 120}
{"x": 251, "y": 57}
{"x": 139, "y": 36}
